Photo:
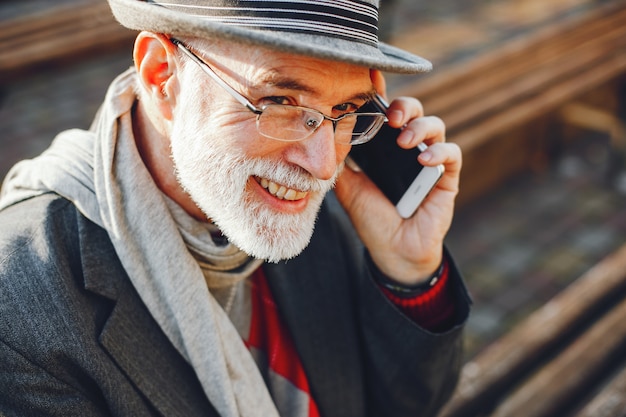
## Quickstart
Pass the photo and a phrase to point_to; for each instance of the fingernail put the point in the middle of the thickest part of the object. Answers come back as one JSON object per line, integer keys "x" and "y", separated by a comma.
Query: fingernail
{"x": 405, "y": 137}
{"x": 425, "y": 156}
{"x": 395, "y": 116}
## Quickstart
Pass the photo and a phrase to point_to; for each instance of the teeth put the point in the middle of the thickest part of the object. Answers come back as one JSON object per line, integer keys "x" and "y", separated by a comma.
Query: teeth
{"x": 280, "y": 191}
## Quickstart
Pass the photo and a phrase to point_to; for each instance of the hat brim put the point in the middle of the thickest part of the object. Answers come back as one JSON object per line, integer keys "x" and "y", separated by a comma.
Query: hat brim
{"x": 141, "y": 15}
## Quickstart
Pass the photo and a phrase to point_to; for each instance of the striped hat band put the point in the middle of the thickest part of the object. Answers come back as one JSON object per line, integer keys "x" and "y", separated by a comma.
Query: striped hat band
{"x": 351, "y": 20}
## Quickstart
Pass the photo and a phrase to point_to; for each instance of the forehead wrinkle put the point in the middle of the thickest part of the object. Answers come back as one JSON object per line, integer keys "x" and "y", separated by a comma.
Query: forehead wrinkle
{"x": 276, "y": 79}
{"x": 249, "y": 78}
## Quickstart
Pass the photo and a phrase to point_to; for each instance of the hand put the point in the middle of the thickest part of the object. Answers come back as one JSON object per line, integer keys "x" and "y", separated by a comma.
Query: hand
{"x": 407, "y": 250}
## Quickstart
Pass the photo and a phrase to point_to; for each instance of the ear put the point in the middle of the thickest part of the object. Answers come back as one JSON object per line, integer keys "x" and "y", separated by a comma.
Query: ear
{"x": 154, "y": 57}
{"x": 378, "y": 80}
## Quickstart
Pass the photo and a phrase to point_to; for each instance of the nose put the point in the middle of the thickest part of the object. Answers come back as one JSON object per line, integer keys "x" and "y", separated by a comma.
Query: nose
{"x": 317, "y": 153}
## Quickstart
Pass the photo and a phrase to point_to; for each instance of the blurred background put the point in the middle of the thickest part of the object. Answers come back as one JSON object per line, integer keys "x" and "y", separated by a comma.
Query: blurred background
{"x": 532, "y": 90}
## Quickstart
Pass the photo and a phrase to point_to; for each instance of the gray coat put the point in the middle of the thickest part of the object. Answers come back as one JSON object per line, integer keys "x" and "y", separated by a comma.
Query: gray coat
{"x": 76, "y": 340}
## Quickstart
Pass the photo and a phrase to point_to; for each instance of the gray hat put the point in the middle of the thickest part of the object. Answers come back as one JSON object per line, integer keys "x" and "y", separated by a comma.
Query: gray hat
{"x": 337, "y": 30}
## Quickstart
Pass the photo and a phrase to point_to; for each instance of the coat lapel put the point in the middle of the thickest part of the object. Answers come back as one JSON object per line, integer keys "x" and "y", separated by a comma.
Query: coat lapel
{"x": 317, "y": 305}
{"x": 133, "y": 339}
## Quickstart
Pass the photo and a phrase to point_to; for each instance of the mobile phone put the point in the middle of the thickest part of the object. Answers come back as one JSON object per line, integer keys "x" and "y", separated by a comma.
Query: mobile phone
{"x": 394, "y": 170}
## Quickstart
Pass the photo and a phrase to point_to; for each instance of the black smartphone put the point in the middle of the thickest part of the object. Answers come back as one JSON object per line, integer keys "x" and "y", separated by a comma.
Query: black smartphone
{"x": 396, "y": 171}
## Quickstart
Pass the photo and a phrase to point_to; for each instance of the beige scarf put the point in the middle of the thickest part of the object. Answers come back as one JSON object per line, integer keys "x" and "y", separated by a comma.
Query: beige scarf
{"x": 101, "y": 172}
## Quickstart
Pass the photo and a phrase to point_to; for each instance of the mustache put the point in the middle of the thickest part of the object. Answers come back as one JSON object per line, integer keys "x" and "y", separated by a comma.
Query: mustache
{"x": 291, "y": 176}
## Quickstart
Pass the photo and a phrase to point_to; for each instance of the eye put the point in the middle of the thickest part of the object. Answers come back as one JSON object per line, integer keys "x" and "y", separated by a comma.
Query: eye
{"x": 345, "y": 108}
{"x": 276, "y": 100}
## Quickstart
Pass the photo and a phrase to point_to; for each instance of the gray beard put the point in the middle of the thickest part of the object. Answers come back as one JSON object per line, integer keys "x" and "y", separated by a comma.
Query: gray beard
{"x": 216, "y": 177}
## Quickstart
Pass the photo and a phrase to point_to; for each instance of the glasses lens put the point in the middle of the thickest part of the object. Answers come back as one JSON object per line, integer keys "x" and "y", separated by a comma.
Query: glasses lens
{"x": 293, "y": 123}
{"x": 363, "y": 126}
{"x": 288, "y": 123}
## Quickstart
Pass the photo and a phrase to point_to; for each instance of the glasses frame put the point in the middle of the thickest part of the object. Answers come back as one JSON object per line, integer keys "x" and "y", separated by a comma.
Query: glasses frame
{"x": 243, "y": 100}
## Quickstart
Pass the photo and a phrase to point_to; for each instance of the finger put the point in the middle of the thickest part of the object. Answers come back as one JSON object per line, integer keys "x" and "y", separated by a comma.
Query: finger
{"x": 427, "y": 129}
{"x": 404, "y": 109}
{"x": 448, "y": 154}
{"x": 360, "y": 197}
{"x": 353, "y": 182}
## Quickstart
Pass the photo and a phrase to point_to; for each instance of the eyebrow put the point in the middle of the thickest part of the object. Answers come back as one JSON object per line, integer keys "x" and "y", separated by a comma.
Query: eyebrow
{"x": 273, "y": 78}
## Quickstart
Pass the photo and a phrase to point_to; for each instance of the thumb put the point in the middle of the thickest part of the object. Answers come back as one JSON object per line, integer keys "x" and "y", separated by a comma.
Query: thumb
{"x": 360, "y": 197}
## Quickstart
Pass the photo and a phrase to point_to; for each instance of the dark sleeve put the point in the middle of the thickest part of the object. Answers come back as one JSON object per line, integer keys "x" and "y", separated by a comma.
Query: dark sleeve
{"x": 434, "y": 309}
{"x": 410, "y": 370}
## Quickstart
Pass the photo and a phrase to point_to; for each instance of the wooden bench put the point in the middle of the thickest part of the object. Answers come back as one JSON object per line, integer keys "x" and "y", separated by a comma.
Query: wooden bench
{"x": 568, "y": 356}
{"x": 57, "y": 34}
{"x": 504, "y": 108}
{"x": 502, "y": 102}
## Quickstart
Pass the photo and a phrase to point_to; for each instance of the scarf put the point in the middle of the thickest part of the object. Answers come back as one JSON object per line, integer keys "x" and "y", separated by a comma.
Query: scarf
{"x": 102, "y": 173}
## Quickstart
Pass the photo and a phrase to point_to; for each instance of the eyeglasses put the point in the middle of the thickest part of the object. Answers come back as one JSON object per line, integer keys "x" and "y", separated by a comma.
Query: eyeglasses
{"x": 295, "y": 123}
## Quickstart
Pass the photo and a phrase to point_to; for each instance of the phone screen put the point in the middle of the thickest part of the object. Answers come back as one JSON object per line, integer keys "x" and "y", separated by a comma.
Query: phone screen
{"x": 390, "y": 167}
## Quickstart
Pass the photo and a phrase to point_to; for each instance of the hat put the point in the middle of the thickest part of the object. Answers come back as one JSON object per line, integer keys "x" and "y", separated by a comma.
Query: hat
{"x": 337, "y": 30}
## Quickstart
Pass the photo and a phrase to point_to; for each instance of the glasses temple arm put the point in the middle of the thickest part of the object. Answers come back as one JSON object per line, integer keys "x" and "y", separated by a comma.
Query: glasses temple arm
{"x": 209, "y": 71}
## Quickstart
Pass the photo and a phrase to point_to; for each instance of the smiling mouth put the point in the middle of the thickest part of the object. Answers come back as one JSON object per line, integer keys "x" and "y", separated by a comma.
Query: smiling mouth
{"x": 280, "y": 191}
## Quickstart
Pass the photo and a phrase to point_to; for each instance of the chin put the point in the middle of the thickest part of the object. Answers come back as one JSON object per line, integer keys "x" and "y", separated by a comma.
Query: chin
{"x": 265, "y": 234}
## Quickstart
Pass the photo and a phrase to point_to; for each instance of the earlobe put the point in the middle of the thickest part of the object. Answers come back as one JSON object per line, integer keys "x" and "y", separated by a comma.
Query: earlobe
{"x": 155, "y": 64}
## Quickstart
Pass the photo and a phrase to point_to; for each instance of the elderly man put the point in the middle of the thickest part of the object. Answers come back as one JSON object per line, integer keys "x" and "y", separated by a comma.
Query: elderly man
{"x": 186, "y": 255}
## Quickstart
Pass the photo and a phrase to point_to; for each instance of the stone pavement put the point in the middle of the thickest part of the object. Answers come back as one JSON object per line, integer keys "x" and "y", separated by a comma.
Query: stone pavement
{"x": 518, "y": 246}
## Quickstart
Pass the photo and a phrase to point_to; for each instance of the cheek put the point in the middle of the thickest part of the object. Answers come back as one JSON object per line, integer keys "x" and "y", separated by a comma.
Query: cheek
{"x": 228, "y": 126}
{"x": 205, "y": 114}
{"x": 239, "y": 131}
{"x": 242, "y": 134}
